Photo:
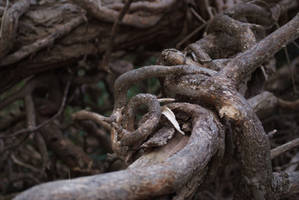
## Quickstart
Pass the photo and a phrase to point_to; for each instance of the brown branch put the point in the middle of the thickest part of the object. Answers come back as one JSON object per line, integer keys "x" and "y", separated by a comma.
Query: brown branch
{"x": 292, "y": 106}
{"x": 25, "y": 165}
{"x": 127, "y": 138}
{"x": 99, "y": 119}
{"x": 253, "y": 143}
{"x": 293, "y": 163}
{"x": 106, "y": 57}
{"x": 29, "y": 86}
{"x": 265, "y": 103}
{"x": 146, "y": 128}
{"x": 261, "y": 14}
{"x": 281, "y": 80}
{"x": 44, "y": 123}
{"x": 27, "y": 50}
{"x": 147, "y": 181}
{"x": 82, "y": 41}
{"x": 285, "y": 147}
{"x": 69, "y": 153}
{"x": 238, "y": 30}
{"x": 245, "y": 63}
{"x": 102, "y": 13}
{"x": 219, "y": 91}
{"x": 9, "y": 25}
{"x": 152, "y": 7}
{"x": 126, "y": 80}
{"x": 31, "y": 123}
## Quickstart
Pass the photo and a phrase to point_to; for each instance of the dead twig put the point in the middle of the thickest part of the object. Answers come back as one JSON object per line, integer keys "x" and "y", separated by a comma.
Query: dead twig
{"x": 36, "y": 128}
{"x": 105, "y": 61}
{"x": 285, "y": 147}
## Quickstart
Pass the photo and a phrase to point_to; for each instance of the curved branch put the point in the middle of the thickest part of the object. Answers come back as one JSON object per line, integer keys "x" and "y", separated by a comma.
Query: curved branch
{"x": 144, "y": 182}
{"x": 146, "y": 128}
{"x": 9, "y": 25}
{"x": 105, "y": 14}
{"x": 259, "y": 13}
{"x": 126, "y": 80}
{"x": 245, "y": 63}
{"x": 152, "y": 7}
{"x": 253, "y": 143}
{"x": 99, "y": 119}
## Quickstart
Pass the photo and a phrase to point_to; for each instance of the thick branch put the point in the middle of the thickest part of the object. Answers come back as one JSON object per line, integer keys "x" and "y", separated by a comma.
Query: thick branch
{"x": 144, "y": 182}
{"x": 153, "y": 7}
{"x": 126, "y": 80}
{"x": 9, "y": 25}
{"x": 245, "y": 63}
{"x": 105, "y": 14}
{"x": 253, "y": 143}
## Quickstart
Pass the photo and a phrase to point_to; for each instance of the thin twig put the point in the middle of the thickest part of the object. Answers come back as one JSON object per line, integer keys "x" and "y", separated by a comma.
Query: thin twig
{"x": 99, "y": 119}
{"x": 22, "y": 164}
{"x": 106, "y": 58}
{"x": 193, "y": 33}
{"x": 285, "y": 147}
{"x": 33, "y": 129}
{"x": 198, "y": 16}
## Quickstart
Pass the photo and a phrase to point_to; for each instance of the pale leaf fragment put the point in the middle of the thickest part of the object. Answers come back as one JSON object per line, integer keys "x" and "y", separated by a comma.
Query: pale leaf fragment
{"x": 171, "y": 117}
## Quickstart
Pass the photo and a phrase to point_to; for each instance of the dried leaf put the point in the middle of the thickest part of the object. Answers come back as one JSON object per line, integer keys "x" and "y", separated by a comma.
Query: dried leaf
{"x": 171, "y": 117}
{"x": 163, "y": 100}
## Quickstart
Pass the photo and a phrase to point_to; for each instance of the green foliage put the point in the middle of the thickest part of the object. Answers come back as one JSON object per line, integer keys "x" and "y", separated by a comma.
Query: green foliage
{"x": 134, "y": 90}
{"x": 153, "y": 85}
{"x": 69, "y": 110}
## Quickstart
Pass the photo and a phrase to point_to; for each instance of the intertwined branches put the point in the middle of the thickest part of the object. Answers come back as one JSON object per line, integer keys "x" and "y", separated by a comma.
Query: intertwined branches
{"x": 210, "y": 82}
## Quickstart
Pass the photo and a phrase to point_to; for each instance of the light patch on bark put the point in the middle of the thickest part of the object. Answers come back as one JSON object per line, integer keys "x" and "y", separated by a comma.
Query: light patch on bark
{"x": 230, "y": 112}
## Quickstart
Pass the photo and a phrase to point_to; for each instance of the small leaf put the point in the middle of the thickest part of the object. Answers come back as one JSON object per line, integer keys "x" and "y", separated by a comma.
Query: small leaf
{"x": 171, "y": 117}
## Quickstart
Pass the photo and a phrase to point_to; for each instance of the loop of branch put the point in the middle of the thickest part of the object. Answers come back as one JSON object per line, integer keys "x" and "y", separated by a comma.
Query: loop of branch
{"x": 219, "y": 89}
{"x": 123, "y": 83}
{"x": 138, "y": 136}
{"x": 148, "y": 181}
{"x": 99, "y": 119}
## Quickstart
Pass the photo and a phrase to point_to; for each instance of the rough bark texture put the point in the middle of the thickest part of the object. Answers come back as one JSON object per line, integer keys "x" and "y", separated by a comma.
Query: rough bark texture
{"x": 196, "y": 128}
